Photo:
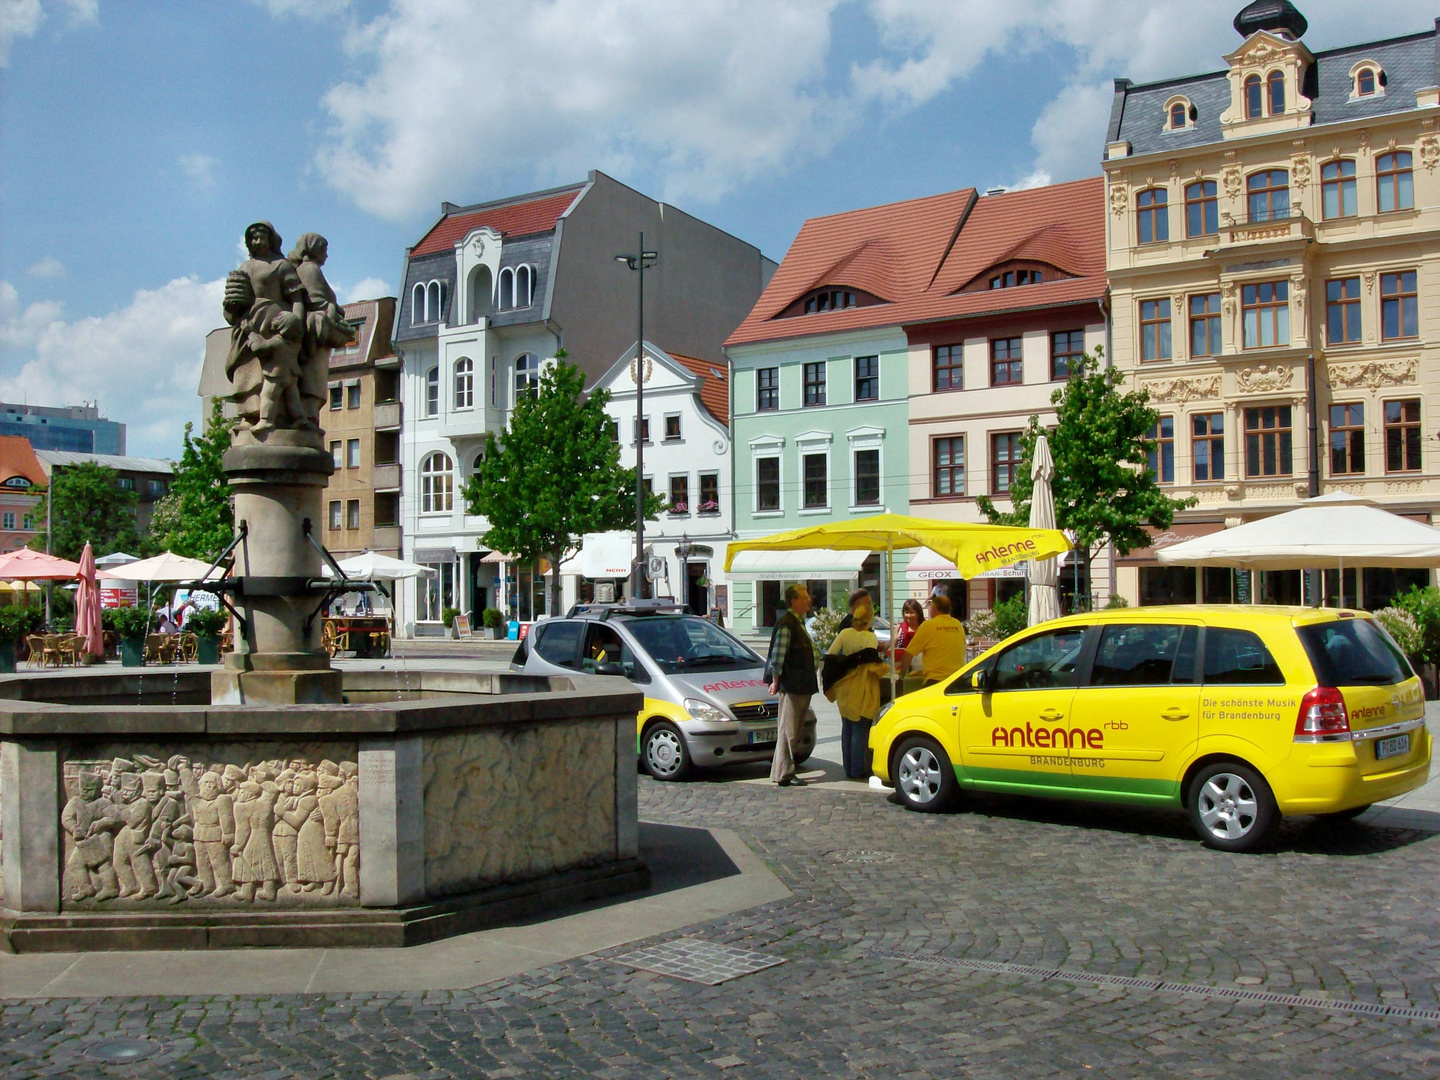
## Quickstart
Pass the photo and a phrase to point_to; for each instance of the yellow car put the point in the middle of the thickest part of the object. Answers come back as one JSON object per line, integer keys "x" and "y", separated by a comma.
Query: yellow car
{"x": 1237, "y": 714}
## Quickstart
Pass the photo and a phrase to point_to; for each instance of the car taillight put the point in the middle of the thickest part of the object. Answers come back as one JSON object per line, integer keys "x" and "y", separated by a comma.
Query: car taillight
{"x": 1322, "y": 715}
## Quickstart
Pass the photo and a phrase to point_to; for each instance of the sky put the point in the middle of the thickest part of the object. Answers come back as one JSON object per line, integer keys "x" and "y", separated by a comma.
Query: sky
{"x": 137, "y": 139}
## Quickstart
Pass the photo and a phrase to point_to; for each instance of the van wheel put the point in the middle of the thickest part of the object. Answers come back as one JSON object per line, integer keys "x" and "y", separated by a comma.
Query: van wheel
{"x": 1231, "y": 806}
{"x": 923, "y": 776}
{"x": 666, "y": 757}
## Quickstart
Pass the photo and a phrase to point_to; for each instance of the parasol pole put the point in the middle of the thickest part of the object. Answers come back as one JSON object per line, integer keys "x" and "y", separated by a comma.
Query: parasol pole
{"x": 890, "y": 604}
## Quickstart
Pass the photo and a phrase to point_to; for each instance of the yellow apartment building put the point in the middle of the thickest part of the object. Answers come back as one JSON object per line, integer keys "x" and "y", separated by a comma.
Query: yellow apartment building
{"x": 1273, "y": 253}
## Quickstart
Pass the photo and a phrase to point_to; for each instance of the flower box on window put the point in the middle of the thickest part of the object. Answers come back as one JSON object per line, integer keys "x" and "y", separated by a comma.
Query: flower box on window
{"x": 679, "y": 508}
{"x": 710, "y": 506}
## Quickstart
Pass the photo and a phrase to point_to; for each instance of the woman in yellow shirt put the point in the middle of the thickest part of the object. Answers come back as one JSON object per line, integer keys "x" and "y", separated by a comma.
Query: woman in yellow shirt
{"x": 857, "y": 693}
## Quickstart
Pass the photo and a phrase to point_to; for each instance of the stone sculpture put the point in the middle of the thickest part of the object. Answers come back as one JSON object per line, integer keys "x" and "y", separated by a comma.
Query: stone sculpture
{"x": 140, "y": 830}
{"x": 284, "y": 320}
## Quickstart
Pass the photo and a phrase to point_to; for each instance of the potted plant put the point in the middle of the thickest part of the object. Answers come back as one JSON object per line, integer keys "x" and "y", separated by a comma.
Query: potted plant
{"x": 15, "y": 624}
{"x": 207, "y": 625}
{"x": 494, "y": 622}
{"x": 447, "y": 616}
{"x": 132, "y": 624}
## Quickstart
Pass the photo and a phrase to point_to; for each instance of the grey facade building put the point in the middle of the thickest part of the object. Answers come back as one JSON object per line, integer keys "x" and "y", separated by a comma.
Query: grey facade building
{"x": 77, "y": 428}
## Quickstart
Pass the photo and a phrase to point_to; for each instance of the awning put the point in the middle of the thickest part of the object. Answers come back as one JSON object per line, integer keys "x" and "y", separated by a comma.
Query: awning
{"x": 1179, "y": 532}
{"x": 925, "y": 565}
{"x": 798, "y": 565}
{"x": 603, "y": 555}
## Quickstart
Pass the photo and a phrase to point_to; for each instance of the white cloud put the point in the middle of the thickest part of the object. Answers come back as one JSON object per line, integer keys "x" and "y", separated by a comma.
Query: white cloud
{"x": 142, "y": 362}
{"x": 199, "y": 169}
{"x": 83, "y": 12}
{"x": 48, "y": 267}
{"x": 704, "y": 95}
{"x": 18, "y": 19}
{"x": 369, "y": 289}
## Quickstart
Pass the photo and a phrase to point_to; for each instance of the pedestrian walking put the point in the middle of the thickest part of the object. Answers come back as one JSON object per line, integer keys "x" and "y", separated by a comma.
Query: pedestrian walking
{"x": 854, "y": 656}
{"x": 792, "y": 668}
{"x": 939, "y": 642}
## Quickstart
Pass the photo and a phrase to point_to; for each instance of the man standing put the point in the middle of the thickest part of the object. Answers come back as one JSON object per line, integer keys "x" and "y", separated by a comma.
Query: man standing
{"x": 940, "y": 642}
{"x": 792, "y": 662}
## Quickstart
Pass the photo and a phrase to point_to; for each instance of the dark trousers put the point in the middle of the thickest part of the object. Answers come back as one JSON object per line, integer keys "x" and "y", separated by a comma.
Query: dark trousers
{"x": 854, "y": 742}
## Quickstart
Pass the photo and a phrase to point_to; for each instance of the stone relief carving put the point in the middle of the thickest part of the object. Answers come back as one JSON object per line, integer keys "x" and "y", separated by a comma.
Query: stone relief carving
{"x": 1264, "y": 378}
{"x": 1364, "y": 141}
{"x": 1227, "y": 291}
{"x": 1374, "y": 374}
{"x": 1174, "y": 169}
{"x": 1196, "y": 388}
{"x": 1271, "y": 491}
{"x": 1234, "y": 182}
{"x": 1300, "y": 171}
{"x": 1429, "y": 152}
{"x": 1402, "y": 487}
{"x": 1119, "y": 199}
{"x": 175, "y": 831}
{"x": 1210, "y": 494}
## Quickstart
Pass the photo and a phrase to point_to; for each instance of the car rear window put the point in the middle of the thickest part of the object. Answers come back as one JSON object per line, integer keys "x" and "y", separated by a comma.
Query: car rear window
{"x": 1353, "y": 652}
{"x": 558, "y": 642}
{"x": 1145, "y": 654}
{"x": 1238, "y": 658}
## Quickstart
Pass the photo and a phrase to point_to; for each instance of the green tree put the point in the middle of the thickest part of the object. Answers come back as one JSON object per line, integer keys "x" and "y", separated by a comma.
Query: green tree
{"x": 554, "y": 475}
{"x": 196, "y": 518}
{"x": 88, "y": 503}
{"x": 1104, "y": 489}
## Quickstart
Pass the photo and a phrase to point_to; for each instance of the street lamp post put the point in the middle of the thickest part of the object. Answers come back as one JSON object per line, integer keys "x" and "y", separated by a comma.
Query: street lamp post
{"x": 638, "y": 262}
{"x": 682, "y": 552}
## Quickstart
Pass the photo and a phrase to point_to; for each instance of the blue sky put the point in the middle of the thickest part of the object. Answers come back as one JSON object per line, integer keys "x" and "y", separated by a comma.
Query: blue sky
{"x": 139, "y": 138}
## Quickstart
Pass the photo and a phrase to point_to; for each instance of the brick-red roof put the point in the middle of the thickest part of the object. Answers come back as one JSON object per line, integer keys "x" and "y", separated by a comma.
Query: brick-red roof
{"x": 714, "y": 388}
{"x": 509, "y": 219}
{"x": 1062, "y": 225}
{"x": 17, "y": 458}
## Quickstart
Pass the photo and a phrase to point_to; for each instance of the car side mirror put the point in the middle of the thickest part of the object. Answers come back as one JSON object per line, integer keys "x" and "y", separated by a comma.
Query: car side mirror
{"x": 980, "y": 680}
{"x": 606, "y": 668}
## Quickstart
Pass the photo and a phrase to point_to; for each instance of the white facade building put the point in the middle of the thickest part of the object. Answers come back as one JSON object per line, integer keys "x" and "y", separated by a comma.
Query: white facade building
{"x": 687, "y": 462}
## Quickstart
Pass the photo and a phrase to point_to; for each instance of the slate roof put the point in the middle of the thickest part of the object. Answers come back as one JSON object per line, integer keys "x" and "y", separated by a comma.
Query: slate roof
{"x": 516, "y": 217}
{"x": 1410, "y": 63}
{"x": 918, "y": 255}
{"x": 714, "y": 385}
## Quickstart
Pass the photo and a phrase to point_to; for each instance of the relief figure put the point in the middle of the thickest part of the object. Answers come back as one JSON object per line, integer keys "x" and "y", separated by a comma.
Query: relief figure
{"x": 89, "y": 818}
{"x": 214, "y": 835}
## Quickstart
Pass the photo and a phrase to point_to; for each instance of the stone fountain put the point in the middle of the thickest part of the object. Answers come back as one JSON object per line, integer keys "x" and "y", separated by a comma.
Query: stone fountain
{"x": 279, "y": 801}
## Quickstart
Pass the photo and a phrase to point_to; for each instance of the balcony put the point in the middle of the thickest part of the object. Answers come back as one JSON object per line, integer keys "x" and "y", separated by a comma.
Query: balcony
{"x": 387, "y": 415}
{"x": 386, "y": 477}
{"x": 1271, "y": 227}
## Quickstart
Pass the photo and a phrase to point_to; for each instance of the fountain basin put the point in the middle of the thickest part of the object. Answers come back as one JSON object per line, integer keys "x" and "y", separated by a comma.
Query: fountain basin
{"x": 136, "y": 813}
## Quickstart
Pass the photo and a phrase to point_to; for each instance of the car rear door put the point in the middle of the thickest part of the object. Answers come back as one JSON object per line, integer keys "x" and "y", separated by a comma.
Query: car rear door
{"x": 1139, "y": 710}
{"x": 555, "y": 647}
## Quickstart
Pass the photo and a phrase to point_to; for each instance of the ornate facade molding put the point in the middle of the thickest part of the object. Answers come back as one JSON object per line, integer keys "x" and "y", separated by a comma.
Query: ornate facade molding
{"x": 1264, "y": 378}
{"x": 1374, "y": 374}
{"x": 1181, "y": 390}
{"x": 1429, "y": 152}
{"x": 1402, "y": 487}
{"x": 1119, "y": 199}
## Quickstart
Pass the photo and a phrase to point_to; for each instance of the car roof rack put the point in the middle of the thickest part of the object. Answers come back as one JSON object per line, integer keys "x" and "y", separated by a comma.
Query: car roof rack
{"x": 628, "y": 607}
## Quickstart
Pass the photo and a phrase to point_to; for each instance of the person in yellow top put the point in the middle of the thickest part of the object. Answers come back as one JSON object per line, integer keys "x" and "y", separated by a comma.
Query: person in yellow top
{"x": 939, "y": 642}
{"x": 857, "y": 692}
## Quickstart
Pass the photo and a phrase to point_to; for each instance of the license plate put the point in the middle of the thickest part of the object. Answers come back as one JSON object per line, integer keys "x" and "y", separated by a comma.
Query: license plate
{"x": 764, "y": 734}
{"x": 1392, "y": 747}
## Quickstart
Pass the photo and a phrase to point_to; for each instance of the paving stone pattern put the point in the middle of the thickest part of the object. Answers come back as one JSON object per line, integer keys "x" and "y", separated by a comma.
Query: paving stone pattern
{"x": 699, "y": 961}
{"x": 1346, "y": 912}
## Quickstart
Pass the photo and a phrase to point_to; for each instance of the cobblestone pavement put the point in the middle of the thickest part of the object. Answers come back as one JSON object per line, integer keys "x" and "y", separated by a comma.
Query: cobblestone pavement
{"x": 1347, "y": 912}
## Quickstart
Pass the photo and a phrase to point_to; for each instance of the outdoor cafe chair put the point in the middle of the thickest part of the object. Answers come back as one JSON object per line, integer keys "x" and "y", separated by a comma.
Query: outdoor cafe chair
{"x": 189, "y": 648}
{"x": 160, "y": 648}
{"x": 35, "y": 644}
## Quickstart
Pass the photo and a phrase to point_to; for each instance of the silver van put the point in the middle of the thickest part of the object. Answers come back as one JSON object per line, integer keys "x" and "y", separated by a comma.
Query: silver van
{"x": 706, "y": 699}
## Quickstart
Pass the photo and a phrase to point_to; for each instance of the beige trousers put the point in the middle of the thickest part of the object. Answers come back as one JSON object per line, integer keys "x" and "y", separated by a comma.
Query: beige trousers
{"x": 787, "y": 741}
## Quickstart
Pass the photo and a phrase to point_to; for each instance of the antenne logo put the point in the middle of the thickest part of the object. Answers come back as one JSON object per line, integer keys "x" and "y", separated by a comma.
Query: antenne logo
{"x": 1006, "y": 552}
{"x": 1059, "y": 738}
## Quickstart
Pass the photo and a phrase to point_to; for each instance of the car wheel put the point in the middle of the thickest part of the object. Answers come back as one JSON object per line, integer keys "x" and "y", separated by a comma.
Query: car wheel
{"x": 666, "y": 757}
{"x": 1231, "y": 806}
{"x": 923, "y": 776}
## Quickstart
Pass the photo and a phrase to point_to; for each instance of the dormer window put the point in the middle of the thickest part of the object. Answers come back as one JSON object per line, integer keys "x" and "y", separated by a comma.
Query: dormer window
{"x": 1254, "y": 100}
{"x": 1011, "y": 278}
{"x": 829, "y": 300}
{"x": 1179, "y": 114}
{"x": 1275, "y": 84}
{"x": 1367, "y": 80}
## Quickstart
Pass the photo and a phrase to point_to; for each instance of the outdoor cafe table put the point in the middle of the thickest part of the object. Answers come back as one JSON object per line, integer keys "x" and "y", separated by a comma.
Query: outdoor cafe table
{"x": 362, "y": 634}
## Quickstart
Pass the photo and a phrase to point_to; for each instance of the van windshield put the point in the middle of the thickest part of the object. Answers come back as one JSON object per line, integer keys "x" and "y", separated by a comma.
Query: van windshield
{"x": 1354, "y": 652}
{"x": 686, "y": 643}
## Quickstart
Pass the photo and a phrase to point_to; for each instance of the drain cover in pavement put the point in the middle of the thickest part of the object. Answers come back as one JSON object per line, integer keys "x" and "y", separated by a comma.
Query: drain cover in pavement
{"x": 698, "y": 961}
{"x": 122, "y": 1050}
{"x": 863, "y": 856}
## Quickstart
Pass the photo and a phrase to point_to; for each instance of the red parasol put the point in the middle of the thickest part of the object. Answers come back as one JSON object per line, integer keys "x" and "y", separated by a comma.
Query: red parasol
{"x": 87, "y": 605}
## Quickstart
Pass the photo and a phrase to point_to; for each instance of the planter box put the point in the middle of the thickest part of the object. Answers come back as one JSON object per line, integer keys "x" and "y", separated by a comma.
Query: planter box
{"x": 132, "y": 652}
{"x": 208, "y": 651}
{"x": 7, "y": 657}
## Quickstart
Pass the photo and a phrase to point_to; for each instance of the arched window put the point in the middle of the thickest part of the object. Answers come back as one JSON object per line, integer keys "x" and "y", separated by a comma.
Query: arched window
{"x": 1177, "y": 115}
{"x": 432, "y": 392}
{"x": 434, "y": 297}
{"x": 507, "y": 289}
{"x": 1269, "y": 195}
{"x": 482, "y": 293}
{"x": 1152, "y": 216}
{"x": 1254, "y": 106}
{"x": 1394, "y": 182}
{"x": 1365, "y": 82}
{"x": 1337, "y": 189}
{"x": 1276, "y": 85}
{"x": 437, "y": 484}
{"x": 464, "y": 383}
{"x": 527, "y": 375}
{"x": 524, "y": 286}
{"x": 417, "y": 305}
{"x": 1202, "y": 216}
{"x": 479, "y": 460}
